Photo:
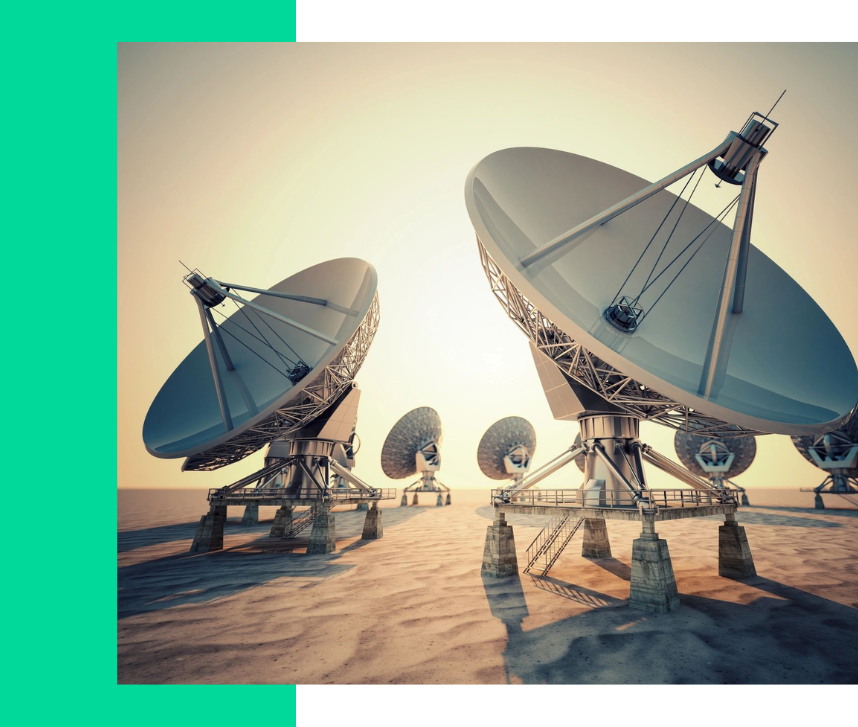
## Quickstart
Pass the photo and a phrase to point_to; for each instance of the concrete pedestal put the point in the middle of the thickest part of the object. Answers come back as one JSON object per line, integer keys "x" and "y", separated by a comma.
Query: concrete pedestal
{"x": 404, "y": 502}
{"x": 745, "y": 501}
{"x": 818, "y": 503}
{"x": 323, "y": 537}
{"x": 596, "y": 543}
{"x": 372, "y": 529}
{"x": 499, "y": 559}
{"x": 209, "y": 534}
{"x": 653, "y": 586}
{"x": 363, "y": 506}
{"x": 282, "y": 522}
{"x": 734, "y": 554}
{"x": 414, "y": 499}
{"x": 251, "y": 515}
{"x": 440, "y": 501}
{"x": 449, "y": 502}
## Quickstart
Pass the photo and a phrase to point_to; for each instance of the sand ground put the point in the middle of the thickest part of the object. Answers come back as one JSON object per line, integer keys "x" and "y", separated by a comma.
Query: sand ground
{"x": 413, "y": 607}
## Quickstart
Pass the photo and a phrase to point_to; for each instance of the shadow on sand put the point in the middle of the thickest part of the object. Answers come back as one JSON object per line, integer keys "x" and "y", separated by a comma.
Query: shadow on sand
{"x": 784, "y": 636}
{"x": 198, "y": 577}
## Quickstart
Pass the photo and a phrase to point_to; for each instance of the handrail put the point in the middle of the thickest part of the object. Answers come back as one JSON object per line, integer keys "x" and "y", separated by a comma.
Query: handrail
{"x": 676, "y": 497}
{"x": 333, "y": 493}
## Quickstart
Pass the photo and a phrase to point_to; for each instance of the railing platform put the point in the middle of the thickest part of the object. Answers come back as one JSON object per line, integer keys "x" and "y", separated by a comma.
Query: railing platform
{"x": 278, "y": 498}
{"x": 664, "y": 504}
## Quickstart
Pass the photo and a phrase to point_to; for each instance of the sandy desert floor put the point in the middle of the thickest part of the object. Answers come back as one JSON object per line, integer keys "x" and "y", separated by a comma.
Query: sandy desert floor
{"x": 413, "y": 607}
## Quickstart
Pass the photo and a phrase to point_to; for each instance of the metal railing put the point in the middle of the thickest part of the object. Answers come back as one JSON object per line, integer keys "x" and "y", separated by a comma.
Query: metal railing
{"x": 615, "y": 498}
{"x": 333, "y": 493}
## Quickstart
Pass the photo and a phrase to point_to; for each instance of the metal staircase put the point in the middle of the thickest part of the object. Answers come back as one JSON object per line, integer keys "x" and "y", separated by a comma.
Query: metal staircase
{"x": 302, "y": 522}
{"x": 546, "y": 547}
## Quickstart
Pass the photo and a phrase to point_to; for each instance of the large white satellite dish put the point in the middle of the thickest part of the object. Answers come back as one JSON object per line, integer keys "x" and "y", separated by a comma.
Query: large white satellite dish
{"x": 640, "y": 306}
{"x": 277, "y": 368}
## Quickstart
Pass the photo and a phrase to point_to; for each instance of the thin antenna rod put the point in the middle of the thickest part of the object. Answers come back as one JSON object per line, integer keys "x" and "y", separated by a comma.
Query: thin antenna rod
{"x": 776, "y": 103}
{"x": 186, "y": 267}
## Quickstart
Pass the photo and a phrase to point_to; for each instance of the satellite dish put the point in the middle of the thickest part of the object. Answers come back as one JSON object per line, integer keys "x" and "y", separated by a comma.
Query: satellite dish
{"x": 836, "y": 453}
{"x": 414, "y": 446}
{"x": 279, "y": 370}
{"x": 506, "y": 449}
{"x": 638, "y": 305}
{"x": 716, "y": 458}
{"x": 268, "y": 365}
{"x": 565, "y": 240}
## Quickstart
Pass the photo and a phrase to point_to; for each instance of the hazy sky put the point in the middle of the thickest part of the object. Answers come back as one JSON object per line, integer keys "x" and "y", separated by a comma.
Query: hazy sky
{"x": 253, "y": 162}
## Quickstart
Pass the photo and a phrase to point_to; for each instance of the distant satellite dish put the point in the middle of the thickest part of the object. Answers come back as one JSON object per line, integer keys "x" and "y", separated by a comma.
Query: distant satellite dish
{"x": 715, "y": 458}
{"x": 507, "y": 448}
{"x": 414, "y": 446}
{"x": 268, "y": 365}
{"x": 836, "y": 453}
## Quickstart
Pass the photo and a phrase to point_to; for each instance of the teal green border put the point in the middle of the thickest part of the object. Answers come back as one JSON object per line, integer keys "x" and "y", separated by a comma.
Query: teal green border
{"x": 60, "y": 203}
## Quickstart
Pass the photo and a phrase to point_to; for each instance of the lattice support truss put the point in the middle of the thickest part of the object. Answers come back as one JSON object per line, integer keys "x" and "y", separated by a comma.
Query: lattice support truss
{"x": 590, "y": 371}
{"x": 317, "y": 396}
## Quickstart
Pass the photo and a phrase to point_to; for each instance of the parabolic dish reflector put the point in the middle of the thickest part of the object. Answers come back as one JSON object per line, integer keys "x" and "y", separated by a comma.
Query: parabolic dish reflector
{"x": 496, "y": 443}
{"x": 687, "y": 446}
{"x": 839, "y": 440}
{"x": 283, "y": 377}
{"x": 409, "y": 435}
{"x": 787, "y": 369}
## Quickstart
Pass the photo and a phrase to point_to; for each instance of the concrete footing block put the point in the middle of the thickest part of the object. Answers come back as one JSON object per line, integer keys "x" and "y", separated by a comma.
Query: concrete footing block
{"x": 596, "y": 543}
{"x": 323, "y": 537}
{"x": 414, "y": 499}
{"x": 653, "y": 586}
{"x": 372, "y": 528}
{"x": 404, "y": 501}
{"x": 209, "y": 535}
{"x": 282, "y": 522}
{"x": 251, "y": 515}
{"x": 363, "y": 506}
{"x": 449, "y": 501}
{"x": 499, "y": 559}
{"x": 745, "y": 501}
{"x": 818, "y": 503}
{"x": 734, "y": 553}
{"x": 440, "y": 501}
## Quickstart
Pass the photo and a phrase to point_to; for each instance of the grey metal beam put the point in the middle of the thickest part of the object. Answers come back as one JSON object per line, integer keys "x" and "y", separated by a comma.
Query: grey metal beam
{"x": 219, "y": 390}
{"x": 617, "y": 209}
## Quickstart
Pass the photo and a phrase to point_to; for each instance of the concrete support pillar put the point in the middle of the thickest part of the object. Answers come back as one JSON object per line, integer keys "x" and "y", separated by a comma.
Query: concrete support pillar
{"x": 251, "y": 514}
{"x": 734, "y": 554}
{"x": 404, "y": 502}
{"x": 596, "y": 543}
{"x": 817, "y": 502}
{"x": 323, "y": 537}
{"x": 209, "y": 534}
{"x": 449, "y": 501}
{"x": 653, "y": 586}
{"x": 440, "y": 501}
{"x": 414, "y": 499}
{"x": 282, "y": 522}
{"x": 372, "y": 529}
{"x": 363, "y": 506}
{"x": 745, "y": 501}
{"x": 499, "y": 559}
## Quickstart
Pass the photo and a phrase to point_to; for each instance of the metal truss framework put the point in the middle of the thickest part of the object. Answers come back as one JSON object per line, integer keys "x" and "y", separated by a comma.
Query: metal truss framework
{"x": 317, "y": 396}
{"x": 587, "y": 369}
